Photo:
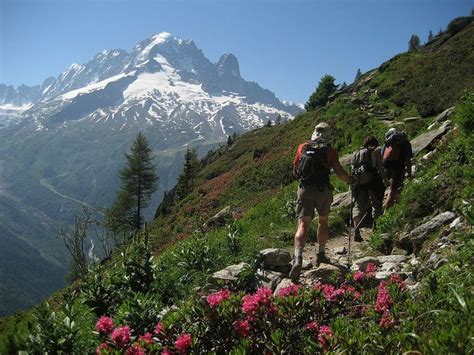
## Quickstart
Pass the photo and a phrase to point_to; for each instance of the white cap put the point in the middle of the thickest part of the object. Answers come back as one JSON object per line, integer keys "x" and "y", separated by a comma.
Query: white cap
{"x": 322, "y": 130}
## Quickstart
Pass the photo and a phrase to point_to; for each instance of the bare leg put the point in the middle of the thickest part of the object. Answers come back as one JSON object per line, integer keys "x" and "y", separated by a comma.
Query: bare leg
{"x": 302, "y": 231}
{"x": 323, "y": 230}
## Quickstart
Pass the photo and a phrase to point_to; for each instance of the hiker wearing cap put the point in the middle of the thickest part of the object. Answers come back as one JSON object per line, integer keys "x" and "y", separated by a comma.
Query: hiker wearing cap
{"x": 311, "y": 166}
{"x": 396, "y": 159}
{"x": 368, "y": 186}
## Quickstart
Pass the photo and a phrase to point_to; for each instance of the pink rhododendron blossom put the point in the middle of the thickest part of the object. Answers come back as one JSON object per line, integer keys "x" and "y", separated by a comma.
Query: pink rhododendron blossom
{"x": 396, "y": 279}
{"x": 371, "y": 268}
{"x": 325, "y": 334}
{"x": 242, "y": 327}
{"x": 136, "y": 349}
{"x": 383, "y": 298}
{"x": 159, "y": 329}
{"x": 359, "y": 275}
{"x": 104, "y": 325}
{"x": 387, "y": 320}
{"x": 312, "y": 326}
{"x": 103, "y": 349}
{"x": 216, "y": 298}
{"x": 146, "y": 338}
{"x": 290, "y": 290}
{"x": 166, "y": 352}
{"x": 121, "y": 336}
{"x": 183, "y": 343}
{"x": 262, "y": 298}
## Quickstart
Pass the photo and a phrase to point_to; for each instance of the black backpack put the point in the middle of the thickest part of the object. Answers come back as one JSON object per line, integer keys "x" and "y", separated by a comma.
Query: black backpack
{"x": 362, "y": 167}
{"x": 313, "y": 167}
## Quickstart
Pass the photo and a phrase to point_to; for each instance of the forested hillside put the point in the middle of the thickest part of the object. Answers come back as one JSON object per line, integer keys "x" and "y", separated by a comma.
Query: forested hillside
{"x": 162, "y": 292}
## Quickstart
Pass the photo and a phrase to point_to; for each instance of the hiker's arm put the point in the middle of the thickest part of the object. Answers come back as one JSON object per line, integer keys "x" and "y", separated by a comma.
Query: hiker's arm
{"x": 340, "y": 172}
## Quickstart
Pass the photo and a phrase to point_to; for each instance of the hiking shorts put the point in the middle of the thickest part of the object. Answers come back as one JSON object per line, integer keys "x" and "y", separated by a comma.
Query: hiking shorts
{"x": 366, "y": 200}
{"x": 311, "y": 197}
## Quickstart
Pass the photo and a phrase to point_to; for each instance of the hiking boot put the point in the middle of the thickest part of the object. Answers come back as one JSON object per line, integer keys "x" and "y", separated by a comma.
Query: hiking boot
{"x": 357, "y": 236}
{"x": 296, "y": 269}
{"x": 321, "y": 258}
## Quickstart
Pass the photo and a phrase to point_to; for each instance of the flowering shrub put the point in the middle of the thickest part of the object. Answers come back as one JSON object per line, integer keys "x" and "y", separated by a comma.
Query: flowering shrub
{"x": 298, "y": 319}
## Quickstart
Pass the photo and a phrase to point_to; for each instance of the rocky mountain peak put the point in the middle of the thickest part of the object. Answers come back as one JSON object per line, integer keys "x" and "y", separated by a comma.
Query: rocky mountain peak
{"x": 228, "y": 65}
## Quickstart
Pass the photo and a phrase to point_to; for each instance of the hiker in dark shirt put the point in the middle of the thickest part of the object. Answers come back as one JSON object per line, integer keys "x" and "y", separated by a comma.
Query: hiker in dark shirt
{"x": 368, "y": 184}
{"x": 396, "y": 159}
{"x": 312, "y": 165}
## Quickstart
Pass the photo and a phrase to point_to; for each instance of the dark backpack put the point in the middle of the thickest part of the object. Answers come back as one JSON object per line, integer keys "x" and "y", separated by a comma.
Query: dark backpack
{"x": 396, "y": 151}
{"x": 363, "y": 169}
{"x": 313, "y": 167}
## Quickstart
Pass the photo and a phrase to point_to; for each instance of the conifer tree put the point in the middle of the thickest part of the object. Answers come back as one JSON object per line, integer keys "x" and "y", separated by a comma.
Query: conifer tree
{"x": 278, "y": 120}
{"x": 269, "y": 123}
{"x": 358, "y": 75}
{"x": 430, "y": 36}
{"x": 320, "y": 97}
{"x": 229, "y": 140}
{"x": 139, "y": 182}
{"x": 187, "y": 178}
{"x": 413, "y": 43}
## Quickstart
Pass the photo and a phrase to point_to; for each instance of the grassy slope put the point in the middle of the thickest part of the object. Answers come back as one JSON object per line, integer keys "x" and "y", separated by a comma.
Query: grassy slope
{"x": 254, "y": 173}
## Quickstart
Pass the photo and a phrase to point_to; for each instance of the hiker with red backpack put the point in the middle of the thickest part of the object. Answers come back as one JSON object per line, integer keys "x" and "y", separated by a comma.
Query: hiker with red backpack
{"x": 312, "y": 164}
{"x": 396, "y": 159}
{"x": 368, "y": 185}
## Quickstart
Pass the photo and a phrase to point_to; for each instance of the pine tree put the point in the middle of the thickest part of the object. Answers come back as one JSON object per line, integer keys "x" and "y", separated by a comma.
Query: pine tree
{"x": 269, "y": 123}
{"x": 320, "y": 97}
{"x": 278, "y": 120}
{"x": 358, "y": 75}
{"x": 229, "y": 140}
{"x": 430, "y": 36}
{"x": 138, "y": 184}
{"x": 187, "y": 178}
{"x": 413, "y": 43}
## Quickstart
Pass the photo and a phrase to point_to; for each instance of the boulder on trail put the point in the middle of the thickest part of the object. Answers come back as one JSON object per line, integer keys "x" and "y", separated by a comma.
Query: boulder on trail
{"x": 274, "y": 258}
{"x": 342, "y": 199}
{"x": 323, "y": 273}
{"x": 361, "y": 264}
{"x": 269, "y": 279}
{"x": 283, "y": 284}
{"x": 422, "y": 141}
{"x": 230, "y": 274}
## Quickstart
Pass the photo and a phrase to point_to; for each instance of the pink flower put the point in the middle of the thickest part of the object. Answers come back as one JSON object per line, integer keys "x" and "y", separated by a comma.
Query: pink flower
{"x": 325, "y": 334}
{"x": 313, "y": 327}
{"x": 147, "y": 338}
{"x": 183, "y": 343}
{"x": 166, "y": 351}
{"x": 359, "y": 275}
{"x": 242, "y": 327}
{"x": 121, "y": 336}
{"x": 387, "y": 320}
{"x": 291, "y": 290}
{"x": 159, "y": 329}
{"x": 135, "y": 350}
{"x": 396, "y": 279}
{"x": 262, "y": 298}
{"x": 216, "y": 298}
{"x": 103, "y": 349}
{"x": 104, "y": 325}
{"x": 384, "y": 301}
{"x": 371, "y": 270}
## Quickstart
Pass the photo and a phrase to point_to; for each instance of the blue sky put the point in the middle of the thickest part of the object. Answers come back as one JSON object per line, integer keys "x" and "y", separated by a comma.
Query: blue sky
{"x": 284, "y": 45}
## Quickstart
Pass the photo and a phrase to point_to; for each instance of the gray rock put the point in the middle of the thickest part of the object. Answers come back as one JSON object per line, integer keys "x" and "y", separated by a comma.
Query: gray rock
{"x": 397, "y": 259}
{"x": 269, "y": 279}
{"x": 340, "y": 251}
{"x": 429, "y": 155}
{"x": 361, "y": 264}
{"x": 383, "y": 275}
{"x": 414, "y": 288}
{"x": 414, "y": 262}
{"x": 440, "y": 263}
{"x": 443, "y": 116}
{"x": 284, "y": 283}
{"x": 306, "y": 265}
{"x": 411, "y": 119}
{"x": 418, "y": 235}
{"x": 399, "y": 251}
{"x": 323, "y": 273}
{"x": 274, "y": 257}
{"x": 219, "y": 219}
{"x": 424, "y": 140}
{"x": 390, "y": 267}
{"x": 456, "y": 224}
{"x": 230, "y": 273}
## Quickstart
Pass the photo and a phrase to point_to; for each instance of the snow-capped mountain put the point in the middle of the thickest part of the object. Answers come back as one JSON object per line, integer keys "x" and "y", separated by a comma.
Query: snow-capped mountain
{"x": 62, "y": 142}
{"x": 163, "y": 80}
